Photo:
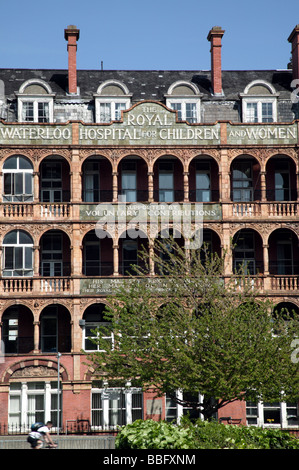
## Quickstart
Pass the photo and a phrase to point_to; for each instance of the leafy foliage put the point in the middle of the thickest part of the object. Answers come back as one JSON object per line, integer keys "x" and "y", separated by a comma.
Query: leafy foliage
{"x": 193, "y": 328}
{"x": 151, "y": 434}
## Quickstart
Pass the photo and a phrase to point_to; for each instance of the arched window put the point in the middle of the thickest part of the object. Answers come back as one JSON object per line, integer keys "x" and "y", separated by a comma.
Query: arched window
{"x": 17, "y": 254}
{"x": 95, "y": 324}
{"x": 259, "y": 102}
{"x": 35, "y": 102}
{"x": 17, "y": 179}
{"x": 184, "y": 97}
{"x": 111, "y": 99}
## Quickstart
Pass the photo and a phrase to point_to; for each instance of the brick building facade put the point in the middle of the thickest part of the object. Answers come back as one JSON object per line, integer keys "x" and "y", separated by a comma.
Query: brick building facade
{"x": 73, "y": 144}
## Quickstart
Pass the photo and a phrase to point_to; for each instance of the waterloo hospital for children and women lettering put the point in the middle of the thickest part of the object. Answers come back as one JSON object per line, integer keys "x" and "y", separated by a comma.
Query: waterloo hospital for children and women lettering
{"x": 147, "y": 125}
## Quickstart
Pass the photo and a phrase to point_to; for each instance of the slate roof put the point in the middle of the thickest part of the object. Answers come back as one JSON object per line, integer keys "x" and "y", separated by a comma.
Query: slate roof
{"x": 146, "y": 84}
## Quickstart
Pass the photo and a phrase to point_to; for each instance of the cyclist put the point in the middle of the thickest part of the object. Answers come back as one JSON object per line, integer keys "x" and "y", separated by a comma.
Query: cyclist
{"x": 40, "y": 433}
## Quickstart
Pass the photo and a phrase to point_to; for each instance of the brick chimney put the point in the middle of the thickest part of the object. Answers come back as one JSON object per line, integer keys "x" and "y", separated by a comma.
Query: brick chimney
{"x": 215, "y": 36}
{"x": 294, "y": 40}
{"x": 71, "y": 35}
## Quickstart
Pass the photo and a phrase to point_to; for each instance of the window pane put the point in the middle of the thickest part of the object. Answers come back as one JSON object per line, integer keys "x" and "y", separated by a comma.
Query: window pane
{"x": 10, "y": 238}
{"x": 177, "y": 107}
{"x": 292, "y": 414}
{"x": 18, "y": 257}
{"x": 28, "y": 183}
{"x": 14, "y": 411}
{"x": 28, "y": 257}
{"x": 202, "y": 186}
{"x": 105, "y": 112}
{"x": 36, "y": 385}
{"x": 8, "y": 257}
{"x": 10, "y": 163}
{"x": 24, "y": 164}
{"x": 136, "y": 406}
{"x": 28, "y": 111}
{"x": 272, "y": 413}
{"x": 251, "y": 112}
{"x": 18, "y": 183}
{"x": 191, "y": 112}
{"x": 43, "y": 112}
{"x": 8, "y": 183}
{"x": 171, "y": 409}
{"x": 35, "y": 408}
{"x": 97, "y": 410}
{"x": 267, "y": 113}
{"x": 251, "y": 413}
{"x": 49, "y": 326}
{"x": 118, "y": 108}
{"x": 25, "y": 238}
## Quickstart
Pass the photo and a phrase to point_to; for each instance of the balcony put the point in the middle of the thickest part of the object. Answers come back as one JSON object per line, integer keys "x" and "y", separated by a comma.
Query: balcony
{"x": 258, "y": 209}
{"x": 35, "y": 211}
{"x": 104, "y": 285}
{"x": 55, "y": 285}
{"x": 13, "y": 285}
{"x": 282, "y": 209}
{"x": 42, "y": 285}
{"x": 284, "y": 283}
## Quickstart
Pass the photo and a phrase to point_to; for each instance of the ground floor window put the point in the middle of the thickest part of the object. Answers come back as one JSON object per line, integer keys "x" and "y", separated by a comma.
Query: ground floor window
{"x": 174, "y": 411}
{"x": 115, "y": 407}
{"x": 277, "y": 414}
{"x": 31, "y": 402}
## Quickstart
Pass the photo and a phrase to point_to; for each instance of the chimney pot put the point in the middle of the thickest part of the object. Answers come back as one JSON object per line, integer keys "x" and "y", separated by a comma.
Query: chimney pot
{"x": 215, "y": 37}
{"x": 294, "y": 40}
{"x": 71, "y": 34}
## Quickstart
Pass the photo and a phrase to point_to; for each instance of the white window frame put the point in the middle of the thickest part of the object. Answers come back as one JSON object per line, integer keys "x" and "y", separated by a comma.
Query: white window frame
{"x": 35, "y": 99}
{"x": 166, "y": 194}
{"x": 101, "y": 98}
{"x": 27, "y": 272}
{"x": 14, "y": 197}
{"x": 283, "y": 407}
{"x": 94, "y": 325}
{"x": 112, "y": 102}
{"x": 259, "y": 99}
{"x": 106, "y": 398}
{"x": 179, "y": 409}
{"x": 194, "y": 97}
{"x": 183, "y": 102}
{"x": 23, "y": 393}
{"x": 128, "y": 194}
{"x": 24, "y": 97}
{"x": 52, "y": 260}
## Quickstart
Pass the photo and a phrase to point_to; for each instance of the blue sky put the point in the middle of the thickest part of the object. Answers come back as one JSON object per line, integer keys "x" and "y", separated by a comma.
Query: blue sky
{"x": 157, "y": 34}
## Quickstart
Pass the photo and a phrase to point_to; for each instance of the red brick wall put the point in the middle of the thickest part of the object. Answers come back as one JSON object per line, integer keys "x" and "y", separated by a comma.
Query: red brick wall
{"x": 76, "y": 405}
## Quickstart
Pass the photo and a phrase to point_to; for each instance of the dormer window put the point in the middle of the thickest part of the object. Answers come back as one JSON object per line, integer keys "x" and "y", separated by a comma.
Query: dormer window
{"x": 110, "y": 100}
{"x": 259, "y": 102}
{"x": 184, "y": 97}
{"x": 35, "y": 102}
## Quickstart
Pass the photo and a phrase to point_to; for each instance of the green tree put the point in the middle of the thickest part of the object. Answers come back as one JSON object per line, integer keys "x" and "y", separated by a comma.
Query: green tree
{"x": 193, "y": 329}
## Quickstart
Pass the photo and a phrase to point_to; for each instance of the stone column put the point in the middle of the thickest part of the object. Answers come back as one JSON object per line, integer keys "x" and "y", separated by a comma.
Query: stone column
{"x": 150, "y": 186}
{"x": 36, "y": 325}
{"x": 263, "y": 186}
{"x": 115, "y": 186}
{"x": 186, "y": 186}
{"x": 151, "y": 258}
{"x": 115, "y": 260}
{"x": 36, "y": 261}
{"x": 36, "y": 197}
{"x": 266, "y": 259}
